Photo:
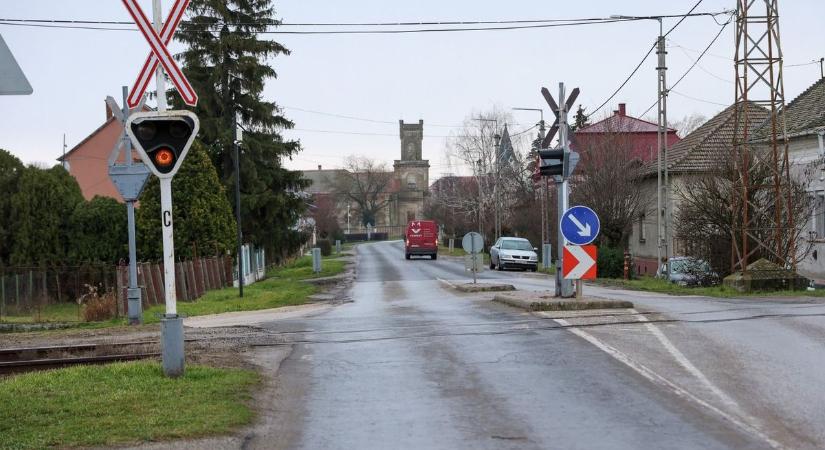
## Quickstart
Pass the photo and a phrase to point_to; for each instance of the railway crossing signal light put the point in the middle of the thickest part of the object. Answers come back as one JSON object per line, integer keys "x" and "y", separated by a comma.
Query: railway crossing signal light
{"x": 551, "y": 163}
{"x": 162, "y": 139}
{"x": 557, "y": 163}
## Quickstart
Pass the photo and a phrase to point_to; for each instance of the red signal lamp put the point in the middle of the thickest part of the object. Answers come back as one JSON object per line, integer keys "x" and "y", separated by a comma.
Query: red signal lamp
{"x": 164, "y": 157}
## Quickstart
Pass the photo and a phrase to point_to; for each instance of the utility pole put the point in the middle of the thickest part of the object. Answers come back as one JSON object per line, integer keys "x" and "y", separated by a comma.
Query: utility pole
{"x": 495, "y": 184}
{"x": 237, "y": 137}
{"x": 663, "y": 228}
{"x": 496, "y": 190}
{"x": 65, "y": 165}
{"x": 662, "y": 135}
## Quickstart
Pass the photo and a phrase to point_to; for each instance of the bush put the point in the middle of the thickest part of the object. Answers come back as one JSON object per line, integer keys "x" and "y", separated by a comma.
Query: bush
{"x": 97, "y": 307}
{"x": 610, "y": 262}
{"x": 325, "y": 246}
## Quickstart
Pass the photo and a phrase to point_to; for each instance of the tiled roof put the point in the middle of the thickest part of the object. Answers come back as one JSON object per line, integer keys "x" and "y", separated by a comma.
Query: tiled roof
{"x": 803, "y": 115}
{"x": 807, "y": 111}
{"x": 701, "y": 150}
{"x": 618, "y": 123}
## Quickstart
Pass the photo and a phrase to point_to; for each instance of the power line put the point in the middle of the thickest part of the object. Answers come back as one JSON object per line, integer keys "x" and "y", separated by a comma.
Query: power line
{"x": 277, "y": 23}
{"x": 697, "y": 98}
{"x": 695, "y": 63}
{"x": 363, "y": 119}
{"x": 644, "y": 58}
{"x": 511, "y": 24}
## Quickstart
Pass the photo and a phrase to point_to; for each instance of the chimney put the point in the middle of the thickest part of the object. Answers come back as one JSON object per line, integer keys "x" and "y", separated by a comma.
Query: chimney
{"x": 319, "y": 167}
{"x": 108, "y": 111}
{"x": 622, "y": 109}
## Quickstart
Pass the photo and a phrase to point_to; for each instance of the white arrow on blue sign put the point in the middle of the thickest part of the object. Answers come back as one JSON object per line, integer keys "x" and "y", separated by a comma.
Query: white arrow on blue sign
{"x": 579, "y": 225}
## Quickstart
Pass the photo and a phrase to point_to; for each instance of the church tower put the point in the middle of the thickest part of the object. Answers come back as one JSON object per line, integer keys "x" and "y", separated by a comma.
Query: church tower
{"x": 411, "y": 173}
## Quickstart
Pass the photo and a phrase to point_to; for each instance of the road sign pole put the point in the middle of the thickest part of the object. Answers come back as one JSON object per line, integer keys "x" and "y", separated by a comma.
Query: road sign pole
{"x": 172, "y": 324}
{"x": 160, "y": 79}
{"x": 564, "y": 288}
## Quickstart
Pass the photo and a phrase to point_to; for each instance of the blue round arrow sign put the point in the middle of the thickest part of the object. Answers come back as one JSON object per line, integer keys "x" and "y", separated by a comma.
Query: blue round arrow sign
{"x": 579, "y": 225}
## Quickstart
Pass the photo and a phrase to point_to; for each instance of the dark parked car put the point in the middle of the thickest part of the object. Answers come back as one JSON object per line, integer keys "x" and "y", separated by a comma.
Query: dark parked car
{"x": 689, "y": 271}
{"x": 511, "y": 252}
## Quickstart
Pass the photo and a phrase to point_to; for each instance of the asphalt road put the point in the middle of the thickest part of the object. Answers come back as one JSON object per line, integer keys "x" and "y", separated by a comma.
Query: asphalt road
{"x": 411, "y": 364}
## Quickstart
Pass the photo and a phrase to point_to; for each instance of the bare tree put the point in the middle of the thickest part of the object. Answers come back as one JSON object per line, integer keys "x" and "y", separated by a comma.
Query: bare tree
{"x": 365, "y": 183}
{"x": 687, "y": 124}
{"x": 709, "y": 219}
{"x": 607, "y": 180}
{"x": 473, "y": 149}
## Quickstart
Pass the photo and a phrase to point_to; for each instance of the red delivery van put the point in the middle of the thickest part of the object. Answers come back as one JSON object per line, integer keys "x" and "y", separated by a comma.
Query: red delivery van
{"x": 421, "y": 238}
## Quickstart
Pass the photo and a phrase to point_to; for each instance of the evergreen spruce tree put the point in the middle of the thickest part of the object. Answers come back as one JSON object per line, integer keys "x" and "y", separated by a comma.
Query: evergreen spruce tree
{"x": 200, "y": 210}
{"x": 226, "y": 62}
{"x": 580, "y": 120}
{"x": 99, "y": 232}
{"x": 10, "y": 169}
{"x": 40, "y": 211}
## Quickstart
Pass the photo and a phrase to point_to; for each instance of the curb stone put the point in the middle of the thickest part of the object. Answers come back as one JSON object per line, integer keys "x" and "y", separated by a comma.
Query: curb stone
{"x": 533, "y": 302}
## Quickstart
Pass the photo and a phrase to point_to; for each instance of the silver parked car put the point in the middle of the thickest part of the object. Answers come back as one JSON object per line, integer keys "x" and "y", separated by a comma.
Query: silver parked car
{"x": 512, "y": 252}
{"x": 689, "y": 271}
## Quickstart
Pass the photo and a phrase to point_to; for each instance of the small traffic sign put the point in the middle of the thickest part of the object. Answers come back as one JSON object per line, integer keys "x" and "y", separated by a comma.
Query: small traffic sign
{"x": 579, "y": 225}
{"x": 157, "y": 43}
{"x": 12, "y": 79}
{"x": 579, "y": 262}
{"x": 472, "y": 242}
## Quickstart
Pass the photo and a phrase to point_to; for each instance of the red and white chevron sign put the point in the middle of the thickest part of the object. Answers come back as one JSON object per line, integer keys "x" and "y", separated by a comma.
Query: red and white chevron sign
{"x": 159, "y": 53}
{"x": 579, "y": 262}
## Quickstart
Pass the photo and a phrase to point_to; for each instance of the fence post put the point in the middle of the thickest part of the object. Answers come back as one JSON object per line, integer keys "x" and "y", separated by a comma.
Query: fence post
{"x": 31, "y": 287}
{"x": 316, "y": 260}
{"x": 2, "y": 293}
{"x": 17, "y": 290}
{"x": 45, "y": 288}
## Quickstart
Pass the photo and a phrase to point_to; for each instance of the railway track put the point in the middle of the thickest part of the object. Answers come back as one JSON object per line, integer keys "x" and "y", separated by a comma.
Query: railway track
{"x": 27, "y": 359}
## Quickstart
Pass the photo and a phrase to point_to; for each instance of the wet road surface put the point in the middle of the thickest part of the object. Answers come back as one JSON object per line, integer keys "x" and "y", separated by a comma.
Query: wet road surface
{"x": 409, "y": 364}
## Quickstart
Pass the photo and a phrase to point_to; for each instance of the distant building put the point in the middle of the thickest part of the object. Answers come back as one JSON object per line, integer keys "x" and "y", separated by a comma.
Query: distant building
{"x": 640, "y": 135}
{"x": 406, "y": 191}
{"x": 88, "y": 161}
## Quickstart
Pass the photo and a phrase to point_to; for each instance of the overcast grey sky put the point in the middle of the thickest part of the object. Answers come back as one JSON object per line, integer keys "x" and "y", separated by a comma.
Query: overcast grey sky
{"x": 438, "y": 77}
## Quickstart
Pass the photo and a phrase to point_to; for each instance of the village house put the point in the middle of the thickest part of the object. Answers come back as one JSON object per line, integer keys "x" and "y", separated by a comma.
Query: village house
{"x": 88, "y": 161}
{"x": 639, "y": 135}
{"x": 698, "y": 153}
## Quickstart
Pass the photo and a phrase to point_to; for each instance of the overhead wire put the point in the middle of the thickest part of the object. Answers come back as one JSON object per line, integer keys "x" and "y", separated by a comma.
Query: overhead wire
{"x": 644, "y": 58}
{"x": 696, "y": 62}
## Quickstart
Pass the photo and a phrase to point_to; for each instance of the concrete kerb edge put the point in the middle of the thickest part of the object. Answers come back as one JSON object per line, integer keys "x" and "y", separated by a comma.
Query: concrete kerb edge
{"x": 476, "y": 288}
{"x": 561, "y": 305}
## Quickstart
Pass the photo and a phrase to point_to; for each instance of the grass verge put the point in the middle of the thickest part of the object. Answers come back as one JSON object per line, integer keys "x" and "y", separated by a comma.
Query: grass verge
{"x": 61, "y": 312}
{"x": 458, "y": 251}
{"x": 651, "y": 284}
{"x": 282, "y": 287}
{"x": 121, "y": 403}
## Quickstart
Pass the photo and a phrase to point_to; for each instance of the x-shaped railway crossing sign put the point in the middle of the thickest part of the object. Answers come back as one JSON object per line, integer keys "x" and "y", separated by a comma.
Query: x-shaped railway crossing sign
{"x": 555, "y": 108}
{"x": 159, "y": 53}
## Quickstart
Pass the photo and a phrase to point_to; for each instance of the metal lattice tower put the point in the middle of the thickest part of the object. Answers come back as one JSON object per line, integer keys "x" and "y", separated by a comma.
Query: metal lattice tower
{"x": 764, "y": 224}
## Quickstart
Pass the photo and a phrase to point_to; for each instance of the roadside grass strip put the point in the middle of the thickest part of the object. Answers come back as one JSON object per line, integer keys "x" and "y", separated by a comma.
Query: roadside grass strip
{"x": 651, "y": 284}
{"x": 282, "y": 287}
{"x": 121, "y": 403}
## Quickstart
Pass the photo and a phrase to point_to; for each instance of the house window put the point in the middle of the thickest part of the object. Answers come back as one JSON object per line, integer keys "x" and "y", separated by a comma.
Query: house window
{"x": 642, "y": 229}
{"x": 818, "y": 219}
